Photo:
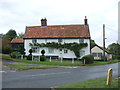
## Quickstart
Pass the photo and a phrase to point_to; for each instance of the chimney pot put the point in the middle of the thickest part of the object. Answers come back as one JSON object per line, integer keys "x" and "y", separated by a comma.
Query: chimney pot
{"x": 85, "y": 21}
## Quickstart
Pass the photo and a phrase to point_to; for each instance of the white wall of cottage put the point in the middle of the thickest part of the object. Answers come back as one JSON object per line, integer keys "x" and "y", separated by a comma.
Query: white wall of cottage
{"x": 57, "y": 52}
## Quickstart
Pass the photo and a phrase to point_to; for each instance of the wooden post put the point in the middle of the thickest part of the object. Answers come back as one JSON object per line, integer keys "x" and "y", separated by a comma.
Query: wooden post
{"x": 72, "y": 60}
{"x": 109, "y": 77}
{"x": 50, "y": 58}
{"x": 21, "y": 56}
{"x": 32, "y": 57}
{"x": 84, "y": 61}
{"x": 39, "y": 58}
{"x": 61, "y": 59}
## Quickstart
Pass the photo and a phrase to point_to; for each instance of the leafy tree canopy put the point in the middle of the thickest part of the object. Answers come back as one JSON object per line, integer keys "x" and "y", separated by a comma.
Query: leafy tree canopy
{"x": 20, "y": 35}
{"x": 114, "y": 48}
{"x": 11, "y": 34}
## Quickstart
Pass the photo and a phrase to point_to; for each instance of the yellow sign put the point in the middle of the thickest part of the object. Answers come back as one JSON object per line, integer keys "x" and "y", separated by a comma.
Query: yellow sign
{"x": 109, "y": 77}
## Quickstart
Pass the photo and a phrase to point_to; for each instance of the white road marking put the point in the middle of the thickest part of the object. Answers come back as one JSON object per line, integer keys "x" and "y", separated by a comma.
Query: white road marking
{"x": 50, "y": 74}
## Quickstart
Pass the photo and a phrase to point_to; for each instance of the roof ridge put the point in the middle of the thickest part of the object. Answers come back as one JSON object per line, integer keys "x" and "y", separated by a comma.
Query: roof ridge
{"x": 59, "y": 25}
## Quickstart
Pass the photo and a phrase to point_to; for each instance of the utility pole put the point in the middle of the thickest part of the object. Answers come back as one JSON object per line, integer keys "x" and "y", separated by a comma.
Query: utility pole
{"x": 104, "y": 42}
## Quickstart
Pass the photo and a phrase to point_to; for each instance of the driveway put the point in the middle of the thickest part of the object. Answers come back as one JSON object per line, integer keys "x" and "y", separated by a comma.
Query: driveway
{"x": 55, "y": 77}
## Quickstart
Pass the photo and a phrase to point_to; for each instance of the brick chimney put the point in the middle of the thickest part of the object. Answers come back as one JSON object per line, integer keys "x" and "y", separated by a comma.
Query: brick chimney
{"x": 44, "y": 22}
{"x": 85, "y": 21}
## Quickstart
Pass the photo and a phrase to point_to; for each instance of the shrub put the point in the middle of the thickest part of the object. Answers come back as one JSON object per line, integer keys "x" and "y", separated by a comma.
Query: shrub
{"x": 115, "y": 57}
{"x": 30, "y": 51}
{"x": 42, "y": 58}
{"x": 15, "y": 54}
{"x": 43, "y": 52}
{"x": 89, "y": 59}
{"x": 29, "y": 57}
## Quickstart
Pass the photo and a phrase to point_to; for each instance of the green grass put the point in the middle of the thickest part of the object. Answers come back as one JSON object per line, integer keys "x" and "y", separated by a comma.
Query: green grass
{"x": 95, "y": 83}
{"x": 64, "y": 63}
{"x": 27, "y": 67}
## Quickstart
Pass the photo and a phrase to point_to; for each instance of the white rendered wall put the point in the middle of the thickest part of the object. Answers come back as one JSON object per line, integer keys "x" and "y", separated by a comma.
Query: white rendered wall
{"x": 57, "y": 52}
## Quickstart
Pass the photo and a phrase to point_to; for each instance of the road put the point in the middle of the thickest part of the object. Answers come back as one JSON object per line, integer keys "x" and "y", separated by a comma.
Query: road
{"x": 55, "y": 77}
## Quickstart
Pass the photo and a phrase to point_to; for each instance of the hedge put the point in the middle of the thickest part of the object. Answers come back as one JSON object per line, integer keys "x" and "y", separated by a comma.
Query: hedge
{"x": 89, "y": 59}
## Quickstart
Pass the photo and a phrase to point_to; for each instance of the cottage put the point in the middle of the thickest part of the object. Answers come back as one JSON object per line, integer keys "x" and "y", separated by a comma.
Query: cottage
{"x": 61, "y": 34}
{"x": 17, "y": 43}
{"x": 97, "y": 52}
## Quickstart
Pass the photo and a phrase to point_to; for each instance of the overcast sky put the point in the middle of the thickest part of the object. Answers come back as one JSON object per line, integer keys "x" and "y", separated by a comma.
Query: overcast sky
{"x": 17, "y": 14}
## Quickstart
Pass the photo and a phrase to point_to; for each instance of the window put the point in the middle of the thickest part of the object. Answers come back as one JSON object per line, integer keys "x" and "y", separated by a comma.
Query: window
{"x": 59, "y": 40}
{"x": 94, "y": 54}
{"x": 35, "y": 49}
{"x": 82, "y": 52}
{"x": 60, "y": 49}
{"x": 65, "y": 51}
{"x": 34, "y": 40}
{"x": 81, "y": 40}
{"x": 51, "y": 50}
{"x": 100, "y": 55}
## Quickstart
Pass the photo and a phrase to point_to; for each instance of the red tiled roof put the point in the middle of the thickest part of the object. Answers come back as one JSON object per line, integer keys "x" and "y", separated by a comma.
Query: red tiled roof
{"x": 57, "y": 31}
{"x": 17, "y": 40}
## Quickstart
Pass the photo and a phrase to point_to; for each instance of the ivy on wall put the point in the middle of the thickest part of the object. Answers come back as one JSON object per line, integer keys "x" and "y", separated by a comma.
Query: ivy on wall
{"x": 75, "y": 47}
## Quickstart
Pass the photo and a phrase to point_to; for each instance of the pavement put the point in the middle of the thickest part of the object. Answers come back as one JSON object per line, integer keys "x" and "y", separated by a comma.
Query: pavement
{"x": 55, "y": 77}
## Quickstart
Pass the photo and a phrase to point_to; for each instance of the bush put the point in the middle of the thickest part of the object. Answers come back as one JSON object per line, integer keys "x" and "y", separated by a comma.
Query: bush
{"x": 115, "y": 57}
{"x": 42, "y": 58}
{"x": 15, "y": 54}
{"x": 29, "y": 57}
{"x": 89, "y": 59}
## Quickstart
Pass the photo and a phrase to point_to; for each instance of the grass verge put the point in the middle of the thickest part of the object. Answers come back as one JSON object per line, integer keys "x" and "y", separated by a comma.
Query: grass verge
{"x": 95, "y": 83}
{"x": 20, "y": 67}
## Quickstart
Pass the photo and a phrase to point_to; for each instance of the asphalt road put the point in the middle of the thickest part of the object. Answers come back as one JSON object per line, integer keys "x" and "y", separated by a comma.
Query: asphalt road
{"x": 54, "y": 77}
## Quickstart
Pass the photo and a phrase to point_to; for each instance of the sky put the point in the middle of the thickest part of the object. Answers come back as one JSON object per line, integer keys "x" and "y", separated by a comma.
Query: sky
{"x": 17, "y": 14}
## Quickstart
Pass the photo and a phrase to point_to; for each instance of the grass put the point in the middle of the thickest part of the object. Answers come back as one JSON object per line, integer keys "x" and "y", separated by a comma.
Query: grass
{"x": 64, "y": 63}
{"x": 95, "y": 83}
{"x": 19, "y": 67}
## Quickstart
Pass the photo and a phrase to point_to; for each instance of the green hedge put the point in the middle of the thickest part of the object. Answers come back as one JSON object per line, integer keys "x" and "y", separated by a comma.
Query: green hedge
{"x": 89, "y": 59}
{"x": 42, "y": 58}
{"x": 29, "y": 57}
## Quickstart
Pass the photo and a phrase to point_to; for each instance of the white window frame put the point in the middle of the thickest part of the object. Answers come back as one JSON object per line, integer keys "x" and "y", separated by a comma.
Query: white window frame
{"x": 81, "y": 40}
{"x": 35, "y": 49}
{"x": 60, "y": 40}
{"x": 34, "y": 40}
{"x": 65, "y": 51}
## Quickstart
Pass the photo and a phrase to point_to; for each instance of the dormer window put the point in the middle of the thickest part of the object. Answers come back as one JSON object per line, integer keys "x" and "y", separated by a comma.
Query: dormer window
{"x": 34, "y": 40}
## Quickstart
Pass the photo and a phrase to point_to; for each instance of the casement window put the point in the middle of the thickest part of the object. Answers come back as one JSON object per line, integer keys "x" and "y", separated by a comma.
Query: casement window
{"x": 50, "y": 50}
{"x": 100, "y": 55}
{"x": 59, "y": 40}
{"x": 81, "y": 40}
{"x": 34, "y": 40}
{"x": 65, "y": 51}
{"x": 82, "y": 52}
{"x": 94, "y": 54}
{"x": 35, "y": 49}
{"x": 97, "y": 54}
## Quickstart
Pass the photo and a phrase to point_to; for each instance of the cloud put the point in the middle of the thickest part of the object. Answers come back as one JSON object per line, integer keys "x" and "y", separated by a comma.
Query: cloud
{"x": 17, "y": 14}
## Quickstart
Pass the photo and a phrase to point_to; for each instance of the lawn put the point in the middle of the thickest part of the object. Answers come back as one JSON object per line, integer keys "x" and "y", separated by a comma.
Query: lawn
{"x": 64, "y": 63}
{"x": 95, "y": 83}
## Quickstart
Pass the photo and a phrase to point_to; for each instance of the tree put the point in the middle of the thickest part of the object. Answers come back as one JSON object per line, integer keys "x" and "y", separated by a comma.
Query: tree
{"x": 115, "y": 50}
{"x": 42, "y": 58}
{"x": 6, "y": 47}
{"x": 11, "y": 34}
{"x": 20, "y": 35}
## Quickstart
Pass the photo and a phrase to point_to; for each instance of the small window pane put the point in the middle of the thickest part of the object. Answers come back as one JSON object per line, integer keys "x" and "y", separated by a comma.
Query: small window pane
{"x": 94, "y": 54}
{"x": 65, "y": 51}
{"x": 34, "y": 40}
{"x": 59, "y": 40}
{"x": 35, "y": 49}
{"x": 99, "y": 54}
{"x": 81, "y": 40}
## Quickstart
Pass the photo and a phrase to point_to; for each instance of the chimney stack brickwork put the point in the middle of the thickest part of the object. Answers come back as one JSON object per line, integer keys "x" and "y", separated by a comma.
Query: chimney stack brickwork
{"x": 44, "y": 22}
{"x": 85, "y": 21}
